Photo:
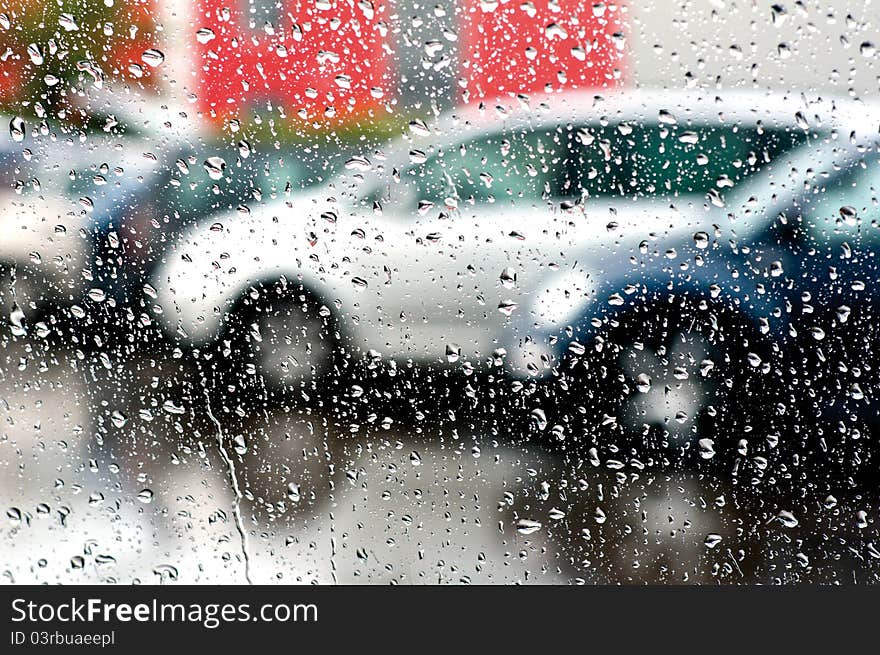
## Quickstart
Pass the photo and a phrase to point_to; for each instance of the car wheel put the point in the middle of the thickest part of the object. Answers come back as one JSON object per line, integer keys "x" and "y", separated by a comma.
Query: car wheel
{"x": 282, "y": 338}
{"x": 668, "y": 375}
{"x": 680, "y": 376}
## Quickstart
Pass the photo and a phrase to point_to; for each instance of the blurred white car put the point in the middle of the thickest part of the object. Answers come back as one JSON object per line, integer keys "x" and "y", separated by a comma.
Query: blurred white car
{"x": 427, "y": 249}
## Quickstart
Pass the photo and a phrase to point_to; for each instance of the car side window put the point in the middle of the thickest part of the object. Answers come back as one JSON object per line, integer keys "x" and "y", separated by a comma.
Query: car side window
{"x": 491, "y": 169}
{"x": 645, "y": 160}
{"x": 595, "y": 161}
{"x": 247, "y": 182}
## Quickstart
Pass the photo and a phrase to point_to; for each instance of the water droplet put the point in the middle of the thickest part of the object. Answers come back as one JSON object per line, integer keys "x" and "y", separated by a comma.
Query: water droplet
{"x": 527, "y": 526}
{"x": 712, "y": 540}
{"x": 539, "y": 419}
{"x": 17, "y": 320}
{"x": 554, "y": 30}
{"x": 358, "y": 164}
{"x": 508, "y": 277}
{"x": 118, "y": 419}
{"x": 787, "y": 519}
{"x": 166, "y": 572}
{"x": 666, "y": 117}
{"x": 214, "y": 166}
{"x": 855, "y": 391}
{"x": 35, "y": 54}
{"x": 419, "y": 127}
{"x": 68, "y": 22}
{"x": 153, "y": 57}
{"x": 707, "y": 448}
{"x": 172, "y": 408}
{"x": 17, "y": 129}
{"x": 205, "y": 35}
{"x": 849, "y": 215}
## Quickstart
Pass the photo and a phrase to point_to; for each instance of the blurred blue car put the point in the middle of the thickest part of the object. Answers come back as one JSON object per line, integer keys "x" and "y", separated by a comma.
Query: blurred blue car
{"x": 742, "y": 323}
{"x": 86, "y": 217}
{"x": 192, "y": 184}
{"x": 61, "y": 192}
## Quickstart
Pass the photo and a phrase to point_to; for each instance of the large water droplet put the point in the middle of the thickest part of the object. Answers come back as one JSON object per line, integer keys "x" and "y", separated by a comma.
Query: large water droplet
{"x": 153, "y": 57}
{"x": 35, "y": 53}
{"x": 68, "y": 22}
{"x": 787, "y": 519}
{"x": 205, "y": 35}
{"x": 215, "y": 167}
{"x": 527, "y": 526}
{"x": 17, "y": 129}
{"x": 712, "y": 540}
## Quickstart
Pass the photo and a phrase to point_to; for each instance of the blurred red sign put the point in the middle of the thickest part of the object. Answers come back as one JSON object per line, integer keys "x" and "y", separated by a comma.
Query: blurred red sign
{"x": 323, "y": 60}
{"x": 521, "y": 47}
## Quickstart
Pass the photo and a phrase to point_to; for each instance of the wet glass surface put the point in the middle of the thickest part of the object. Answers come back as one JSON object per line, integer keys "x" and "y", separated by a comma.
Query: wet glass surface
{"x": 483, "y": 292}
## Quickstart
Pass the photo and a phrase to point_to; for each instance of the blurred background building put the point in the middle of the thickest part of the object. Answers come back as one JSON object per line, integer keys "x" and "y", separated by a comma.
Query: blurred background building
{"x": 320, "y": 58}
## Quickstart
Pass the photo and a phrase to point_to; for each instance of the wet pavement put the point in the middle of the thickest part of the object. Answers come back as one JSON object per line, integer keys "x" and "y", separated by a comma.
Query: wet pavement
{"x": 121, "y": 464}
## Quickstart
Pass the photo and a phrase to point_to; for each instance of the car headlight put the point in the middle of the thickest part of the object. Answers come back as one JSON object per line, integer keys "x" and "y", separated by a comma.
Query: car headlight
{"x": 563, "y": 297}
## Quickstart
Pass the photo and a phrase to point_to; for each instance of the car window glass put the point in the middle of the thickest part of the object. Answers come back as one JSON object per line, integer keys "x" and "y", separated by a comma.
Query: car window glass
{"x": 245, "y": 181}
{"x": 636, "y": 160}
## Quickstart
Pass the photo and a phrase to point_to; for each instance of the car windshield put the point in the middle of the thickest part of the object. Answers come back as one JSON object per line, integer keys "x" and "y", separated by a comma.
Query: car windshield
{"x": 845, "y": 208}
{"x": 106, "y": 193}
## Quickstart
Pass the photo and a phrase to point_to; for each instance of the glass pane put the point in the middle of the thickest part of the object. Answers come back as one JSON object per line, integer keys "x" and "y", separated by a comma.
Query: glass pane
{"x": 452, "y": 292}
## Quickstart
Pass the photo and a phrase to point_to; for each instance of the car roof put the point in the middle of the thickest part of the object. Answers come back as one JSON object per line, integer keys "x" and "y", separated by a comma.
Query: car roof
{"x": 729, "y": 107}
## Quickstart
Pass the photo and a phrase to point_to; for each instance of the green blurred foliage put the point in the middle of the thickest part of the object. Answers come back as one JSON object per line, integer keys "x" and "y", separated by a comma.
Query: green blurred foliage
{"x": 82, "y": 44}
